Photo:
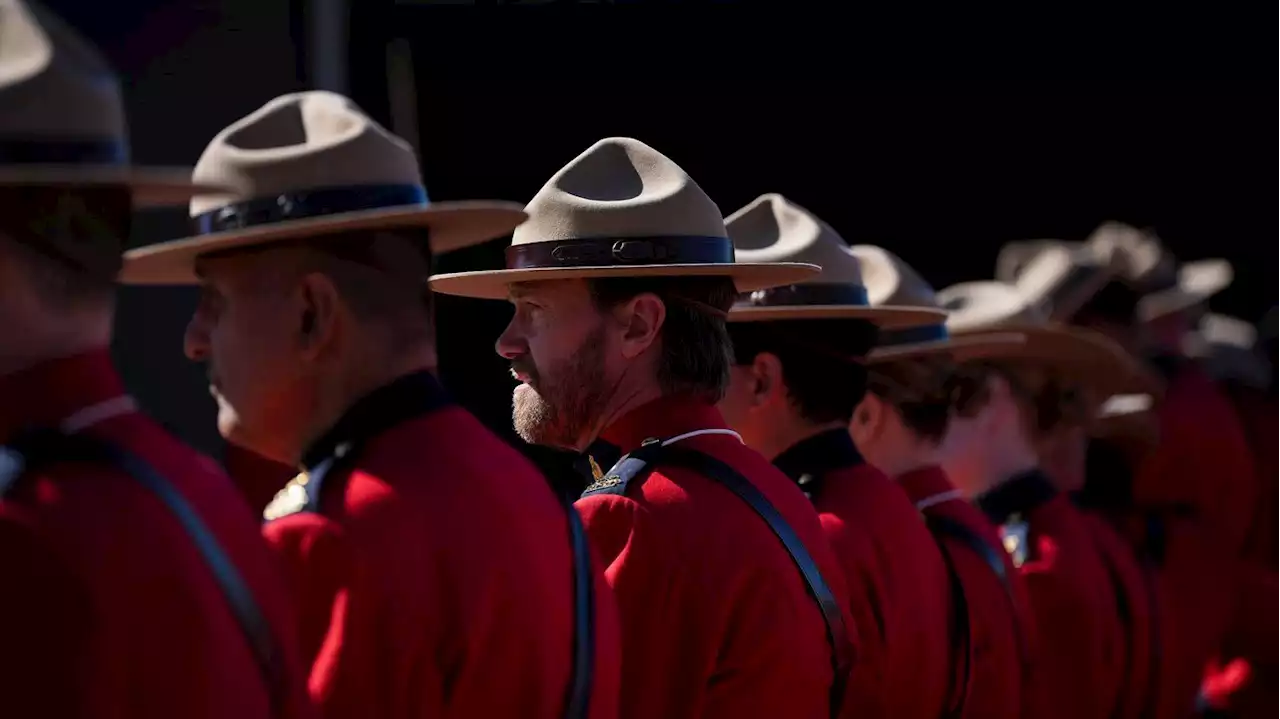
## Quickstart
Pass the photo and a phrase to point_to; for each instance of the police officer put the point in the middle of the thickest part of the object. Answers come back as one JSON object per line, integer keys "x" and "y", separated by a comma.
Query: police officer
{"x": 435, "y": 572}
{"x": 134, "y": 579}
{"x": 729, "y": 594}
{"x": 797, "y": 376}
{"x": 903, "y": 424}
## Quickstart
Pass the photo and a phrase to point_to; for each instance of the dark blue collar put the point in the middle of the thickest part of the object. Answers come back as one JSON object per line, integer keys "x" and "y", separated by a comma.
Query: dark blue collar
{"x": 819, "y": 455}
{"x": 406, "y": 398}
{"x": 1019, "y": 495}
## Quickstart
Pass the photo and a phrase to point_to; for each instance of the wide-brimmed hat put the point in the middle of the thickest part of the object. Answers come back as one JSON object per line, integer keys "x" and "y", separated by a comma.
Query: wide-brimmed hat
{"x": 1063, "y": 276}
{"x": 1227, "y": 347}
{"x": 1085, "y": 356}
{"x": 62, "y": 118}
{"x": 1127, "y": 417}
{"x": 891, "y": 282}
{"x": 620, "y": 209}
{"x": 1013, "y": 256}
{"x": 309, "y": 164}
{"x": 1151, "y": 269}
{"x": 773, "y": 229}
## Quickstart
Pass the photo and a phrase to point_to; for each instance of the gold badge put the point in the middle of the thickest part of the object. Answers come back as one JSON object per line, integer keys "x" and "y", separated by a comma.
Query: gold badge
{"x": 290, "y": 500}
{"x": 596, "y": 473}
{"x": 1013, "y": 534}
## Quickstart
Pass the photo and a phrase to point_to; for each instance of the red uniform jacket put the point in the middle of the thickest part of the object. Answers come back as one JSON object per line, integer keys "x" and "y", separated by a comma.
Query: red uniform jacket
{"x": 1078, "y": 633}
{"x": 1203, "y": 461}
{"x": 897, "y": 580}
{"x": 1001, "y": 681}
{"x": 107, "y": 608}
{"x": 432, "y": 568}
{"x": 258, "y": 478}
{"x": 1133, "y": 585}
{"x": 716, "y": 619}
{"x": 1260, "y": 419}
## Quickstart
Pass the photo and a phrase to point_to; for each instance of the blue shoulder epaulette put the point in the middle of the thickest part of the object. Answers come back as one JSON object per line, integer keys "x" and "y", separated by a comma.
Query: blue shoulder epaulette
{"x": 633, "y": 465}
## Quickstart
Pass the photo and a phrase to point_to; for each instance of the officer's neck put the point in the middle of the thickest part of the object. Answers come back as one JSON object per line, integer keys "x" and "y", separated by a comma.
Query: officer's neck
{"x": 921, "y": 453}
{"x": 359, "y": 379}
{"x": 1008, "y": 461}
{"x": 787, "y": 432}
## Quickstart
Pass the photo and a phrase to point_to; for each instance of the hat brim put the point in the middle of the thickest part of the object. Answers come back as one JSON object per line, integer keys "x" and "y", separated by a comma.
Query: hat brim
{"x": 151, "y": 186}
{"x": 1082, "y": 355}
{"x": 747, "y": 276}
{"x": 1198, "y": 282}
{"x": 962, "y": 349}
{"x": 1133, "y": 418}
{"x": 453, "y": 225}
{"x": 888, "y": 317}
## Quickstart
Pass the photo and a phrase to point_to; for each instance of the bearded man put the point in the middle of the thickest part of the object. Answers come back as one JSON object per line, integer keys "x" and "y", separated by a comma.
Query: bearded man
{"x": 729, "y": 595}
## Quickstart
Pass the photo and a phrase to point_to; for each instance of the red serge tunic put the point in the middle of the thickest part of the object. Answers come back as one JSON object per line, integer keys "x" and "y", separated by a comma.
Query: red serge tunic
{"x": 1079, "y": 640}
{"x": 1001, "y": 681}
{"x": 432, "y": 568}
{"x": 107, "y": 608}
{"x": 897, "y": 580}
{"x": 716, "y": 619}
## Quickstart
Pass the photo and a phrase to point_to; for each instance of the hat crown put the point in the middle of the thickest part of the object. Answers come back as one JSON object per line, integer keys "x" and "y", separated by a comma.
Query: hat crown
{"x": 1139, "y": 256}
{"x": 773, "y": 229}
{"x": 891, "y": 281}
{"x": 53, "y": 83}
{"x": 619, "y": 188}
{"x": 299, "y": 142}
{"x": 987, "y": 305}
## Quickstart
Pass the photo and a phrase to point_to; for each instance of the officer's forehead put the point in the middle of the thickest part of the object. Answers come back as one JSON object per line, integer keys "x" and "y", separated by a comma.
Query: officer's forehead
{"x": 549, "y": 290}
{"x": 249, "y": 263}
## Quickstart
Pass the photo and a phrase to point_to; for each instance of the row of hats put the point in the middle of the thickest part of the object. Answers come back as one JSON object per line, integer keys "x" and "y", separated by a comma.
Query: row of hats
{"x": 313, "y": 162}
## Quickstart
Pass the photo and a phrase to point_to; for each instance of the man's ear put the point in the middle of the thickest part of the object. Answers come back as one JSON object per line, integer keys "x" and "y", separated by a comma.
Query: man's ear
{"x": 868, "y": 419}
{"x": 770, "y": 387}
{"x": 318, "y": 305}
{"x": 642, "y": 318}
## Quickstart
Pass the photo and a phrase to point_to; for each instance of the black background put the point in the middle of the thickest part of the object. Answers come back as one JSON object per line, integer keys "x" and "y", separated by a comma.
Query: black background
{"x": 937, "y": 142}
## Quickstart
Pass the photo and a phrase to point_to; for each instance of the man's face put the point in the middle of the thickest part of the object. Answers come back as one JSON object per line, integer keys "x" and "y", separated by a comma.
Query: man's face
{"x": 247, "y": 330}
{"x": 560, "y": 351}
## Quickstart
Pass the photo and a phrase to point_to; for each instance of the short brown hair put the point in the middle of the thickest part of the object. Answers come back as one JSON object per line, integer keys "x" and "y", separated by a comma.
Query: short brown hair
{"x": 696, "y": 349}
{"x": 926, "y": 391}
{"x": 821, "y": 361}
{"x": 1051, "y": 401}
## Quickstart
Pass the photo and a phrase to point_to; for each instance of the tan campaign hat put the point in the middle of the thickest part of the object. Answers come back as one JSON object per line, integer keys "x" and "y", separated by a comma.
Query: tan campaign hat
{"x": 773, "y": 229}
{"x": 62, "y": 118}
{"x": 620, "y": 209}
{"x": 1087, "y": 357}
{"x": 309, "y": 164}
{"x": 891, "y": 281}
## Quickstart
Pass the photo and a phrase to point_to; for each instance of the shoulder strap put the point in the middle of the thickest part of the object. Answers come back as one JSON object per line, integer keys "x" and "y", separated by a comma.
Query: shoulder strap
{"x": 945, "y": 527}
{"x": 942, "y": 528}
{"x": 578, "y": 705}
{"x": 640, "y": 463}
{"x": 1124, "y": 609}
{"x": 48, "y": 447}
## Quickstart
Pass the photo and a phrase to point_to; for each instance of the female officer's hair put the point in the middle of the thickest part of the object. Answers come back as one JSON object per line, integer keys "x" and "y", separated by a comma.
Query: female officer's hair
{"x": 926, "y": 391}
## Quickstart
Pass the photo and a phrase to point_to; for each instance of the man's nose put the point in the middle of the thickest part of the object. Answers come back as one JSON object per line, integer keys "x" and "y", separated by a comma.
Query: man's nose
{"x": 195, "y": 341}
{"x": 510, "y": 344}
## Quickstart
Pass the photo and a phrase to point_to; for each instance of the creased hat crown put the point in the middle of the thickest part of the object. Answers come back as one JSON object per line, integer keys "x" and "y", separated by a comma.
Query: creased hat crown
{"x": 299, "y": 142}
{"x": 619, "y": 187}
{"x": 774, "y": 229}
{"x": 53, "y": 83}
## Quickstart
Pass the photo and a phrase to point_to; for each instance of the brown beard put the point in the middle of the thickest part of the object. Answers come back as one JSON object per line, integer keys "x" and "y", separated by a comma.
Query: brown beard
{"x": 567, "y": 400}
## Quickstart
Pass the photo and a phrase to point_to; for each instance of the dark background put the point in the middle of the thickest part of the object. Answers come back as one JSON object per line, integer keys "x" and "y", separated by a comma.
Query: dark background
{"x": 903, "y": 149}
